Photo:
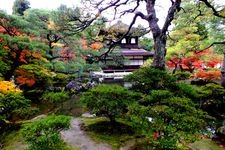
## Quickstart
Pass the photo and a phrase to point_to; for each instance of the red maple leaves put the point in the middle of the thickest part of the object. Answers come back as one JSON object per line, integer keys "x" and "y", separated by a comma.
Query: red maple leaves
{"x": 198, "y": 63}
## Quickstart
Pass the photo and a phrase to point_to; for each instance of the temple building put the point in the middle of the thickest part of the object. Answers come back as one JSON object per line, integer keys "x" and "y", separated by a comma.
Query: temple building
{"x": 127, "y": 55}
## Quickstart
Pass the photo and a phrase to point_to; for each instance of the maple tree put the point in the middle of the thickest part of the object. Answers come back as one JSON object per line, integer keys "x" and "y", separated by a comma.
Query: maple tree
{"x": 18, "y": 48}
{"x": 198, "y": 63}
{"x": 189, "y": 61}
{"x": 209, "y": 75}
{"x": 33, "y": 74}
{"x": 7, "y": 86}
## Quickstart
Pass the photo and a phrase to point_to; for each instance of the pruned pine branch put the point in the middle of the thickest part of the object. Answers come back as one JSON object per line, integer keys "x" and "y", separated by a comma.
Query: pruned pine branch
{"x": 216, "y": 43}
{"x": 212, "y": 44}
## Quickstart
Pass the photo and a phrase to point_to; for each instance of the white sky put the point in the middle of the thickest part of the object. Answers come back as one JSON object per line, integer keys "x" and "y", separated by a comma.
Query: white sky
{"x": 45, "y": 4}
{"x": 53, "y": 4}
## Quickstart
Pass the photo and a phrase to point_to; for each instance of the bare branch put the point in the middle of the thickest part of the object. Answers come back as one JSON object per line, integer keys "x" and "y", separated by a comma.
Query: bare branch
{"x": 212, "y": 44}
{"x": 170, "y": 16}
{"x": 216, "y": 43}
{"x": 199, "y": 12}
{"x": 131, "y": 10}
{"x": 114, "y": 43}
{"x": 215, "y": 12}
{"x": 170, "y": 37}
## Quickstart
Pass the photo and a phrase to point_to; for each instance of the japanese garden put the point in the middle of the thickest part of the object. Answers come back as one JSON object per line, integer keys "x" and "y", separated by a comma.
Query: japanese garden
{"x": 113, "y": 75}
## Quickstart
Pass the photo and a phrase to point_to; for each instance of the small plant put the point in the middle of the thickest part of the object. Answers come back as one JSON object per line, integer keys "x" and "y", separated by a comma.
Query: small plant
{"x": 14, "y": 104}
{"x": 44, "y": 134}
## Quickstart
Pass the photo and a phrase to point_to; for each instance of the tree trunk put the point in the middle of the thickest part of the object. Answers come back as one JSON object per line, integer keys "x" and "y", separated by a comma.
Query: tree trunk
{"x": 13, "y": 67}
{"x": 159, "y": 35}
{"x": 223, "y": 73}
{"x": 160, "y": 52}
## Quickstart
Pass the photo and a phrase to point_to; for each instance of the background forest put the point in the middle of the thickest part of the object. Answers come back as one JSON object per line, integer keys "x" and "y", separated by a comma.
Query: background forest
{"x": 47, "y": 60}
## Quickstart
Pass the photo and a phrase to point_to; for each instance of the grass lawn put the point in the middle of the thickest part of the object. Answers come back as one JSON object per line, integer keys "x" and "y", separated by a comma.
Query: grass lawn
{"x": 13, "y": 141}
{"x": 206, "y": 144}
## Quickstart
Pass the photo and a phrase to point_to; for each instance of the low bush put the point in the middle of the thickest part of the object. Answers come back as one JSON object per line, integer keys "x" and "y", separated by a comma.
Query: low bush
{"x": 108, "y": 100}
{"x": 182, "y": 75}
{"x": 44, "y": 134}
{"x": 146, "y": 79}
{"x": 55, "y": 97}
{"x": 14, "y": 104}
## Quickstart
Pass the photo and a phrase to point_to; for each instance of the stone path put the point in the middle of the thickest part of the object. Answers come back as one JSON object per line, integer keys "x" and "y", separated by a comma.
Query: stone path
{"x": 76, "y": 137}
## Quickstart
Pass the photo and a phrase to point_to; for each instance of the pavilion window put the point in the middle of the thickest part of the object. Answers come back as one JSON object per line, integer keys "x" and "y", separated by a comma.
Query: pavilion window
{"x": 133, "y": 41}
{"x": 124, "y": 41}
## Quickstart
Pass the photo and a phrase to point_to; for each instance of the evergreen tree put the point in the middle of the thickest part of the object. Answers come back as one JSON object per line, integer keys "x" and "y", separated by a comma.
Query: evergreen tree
{"x": 20, "y": 6}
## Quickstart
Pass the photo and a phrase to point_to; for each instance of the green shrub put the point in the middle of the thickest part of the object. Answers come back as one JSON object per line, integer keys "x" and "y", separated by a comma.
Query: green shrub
{"x": 146, "y": 79}
{"x": 186, "y": 90}
{"x": 55, "y": 97}
{"x": 212, "y": 91}
{"x": 182, "y": 75}
{"x": 175, "y": 119}
{"x": 108, "y": 100}
{"x": 212, "y": 99}
{"x": 44, "y": 134}
{"x": 60, "y": 79}
{"x": 14, "y": 104}
{"x": 156, "y": 96}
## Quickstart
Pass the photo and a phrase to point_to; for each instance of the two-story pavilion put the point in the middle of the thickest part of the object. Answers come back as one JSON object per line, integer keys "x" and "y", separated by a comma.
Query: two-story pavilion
{"x": 127, "y": 56}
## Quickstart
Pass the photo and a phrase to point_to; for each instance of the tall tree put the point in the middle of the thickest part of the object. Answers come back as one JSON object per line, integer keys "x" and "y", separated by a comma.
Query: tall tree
{"x": 219, "y": 13}
{"x": 20, "y": 6}
{"x": 159, "y": 34}
{"x": 16, "y": 45}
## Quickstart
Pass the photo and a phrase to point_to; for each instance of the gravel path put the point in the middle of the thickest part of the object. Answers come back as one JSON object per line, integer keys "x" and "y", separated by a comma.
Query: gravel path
{"x": 76, "y": 137}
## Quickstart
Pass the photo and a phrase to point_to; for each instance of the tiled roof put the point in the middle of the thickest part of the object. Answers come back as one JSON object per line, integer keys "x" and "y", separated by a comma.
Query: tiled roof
{"x": 136, "y": 52}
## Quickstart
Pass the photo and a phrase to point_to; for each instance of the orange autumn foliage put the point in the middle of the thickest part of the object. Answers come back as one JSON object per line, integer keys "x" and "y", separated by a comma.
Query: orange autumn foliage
{"x": 2, "y": 30}
{"x": 25, "y": 78}
{"x": 196, "y": 61}
{"x": 214, "y": 61}
{"x": 12, "y": 31}
{"x": 24, "y": 54}
{"x": 39, "y": 56}
{"x": 7, "y": 86}
{"x": 93, "y": 46}
{"x": 209, "y": 75}
{"x": 96, "y": 46}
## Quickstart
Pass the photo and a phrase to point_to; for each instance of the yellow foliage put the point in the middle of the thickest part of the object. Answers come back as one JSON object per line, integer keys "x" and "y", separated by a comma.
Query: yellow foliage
{"x": 7, "y": 86}
{"x": 58, "y": 44}
{"x": 39, "y": 56}
{"x": 52, "y": 25}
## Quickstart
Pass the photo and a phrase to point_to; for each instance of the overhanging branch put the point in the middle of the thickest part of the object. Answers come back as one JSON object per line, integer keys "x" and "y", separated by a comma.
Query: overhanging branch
{"x": 212, "y": 44}
{"x": 216, "y": 43}
{"x": 215, "y": 12}
{"x": 114, "y": 43}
